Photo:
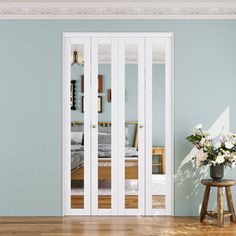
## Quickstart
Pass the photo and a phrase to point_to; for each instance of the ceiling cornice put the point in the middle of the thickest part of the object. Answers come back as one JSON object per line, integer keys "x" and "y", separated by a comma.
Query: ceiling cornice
{"x": 123, "y": 10}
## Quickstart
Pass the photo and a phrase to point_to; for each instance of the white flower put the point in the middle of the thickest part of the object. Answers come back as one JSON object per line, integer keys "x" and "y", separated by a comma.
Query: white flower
{"x": 220, "y": 159}
{"x": 205, "y": 142}
{"x": 202, "y": 142}
{"x": 233, "y": 165}
{"x": 228, "y": 145}
{"x": 217, "y": 145}
{"x": 198, "y": 126}
{"x": 197, "y": 132}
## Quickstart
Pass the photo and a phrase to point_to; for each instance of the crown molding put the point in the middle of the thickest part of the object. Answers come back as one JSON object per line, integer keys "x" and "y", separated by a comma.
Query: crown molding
{"x": 123, "y": 10}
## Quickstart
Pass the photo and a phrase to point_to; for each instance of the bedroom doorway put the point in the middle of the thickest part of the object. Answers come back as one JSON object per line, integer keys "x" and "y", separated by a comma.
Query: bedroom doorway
{"x": 117, "y": 123}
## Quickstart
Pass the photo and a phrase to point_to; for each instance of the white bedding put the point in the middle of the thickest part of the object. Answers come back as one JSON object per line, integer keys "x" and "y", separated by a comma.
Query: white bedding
{"x": 104, "y": 151}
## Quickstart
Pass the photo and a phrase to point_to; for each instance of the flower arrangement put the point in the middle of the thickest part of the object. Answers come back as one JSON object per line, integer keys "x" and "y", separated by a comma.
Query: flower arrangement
{"x": 220, "y": 150}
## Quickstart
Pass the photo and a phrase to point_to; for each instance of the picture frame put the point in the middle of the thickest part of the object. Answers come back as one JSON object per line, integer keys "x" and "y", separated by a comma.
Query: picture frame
{"x": 73, "y": 95}
{"x": 99, "y": 104}
{"x": 100, "y": 83}
{"x": 108, "y": 95}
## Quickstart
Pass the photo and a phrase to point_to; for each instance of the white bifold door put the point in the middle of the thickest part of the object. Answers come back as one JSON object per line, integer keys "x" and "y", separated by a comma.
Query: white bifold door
{"x": 118, "y": 137}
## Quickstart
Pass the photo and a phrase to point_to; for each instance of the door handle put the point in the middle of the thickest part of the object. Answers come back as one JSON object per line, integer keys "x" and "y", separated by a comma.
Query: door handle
{"x": 94, "y": 126}
{"x": 140, "y": 126}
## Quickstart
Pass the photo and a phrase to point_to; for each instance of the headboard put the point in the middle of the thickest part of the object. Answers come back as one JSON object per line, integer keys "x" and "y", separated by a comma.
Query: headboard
{"x": 108, "y": 124}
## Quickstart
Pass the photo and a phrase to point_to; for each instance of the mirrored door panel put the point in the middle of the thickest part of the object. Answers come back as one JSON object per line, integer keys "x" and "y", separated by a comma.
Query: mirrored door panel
{"x": 104, "y": 125}
{"x": 134, "y": 125}
{"x": 131, "y": 126}
{"x": 158, "y": 125}
{"x": 77, "y": 127}
{"x": 80, "y": 127}
{"x": 157, "y": 84}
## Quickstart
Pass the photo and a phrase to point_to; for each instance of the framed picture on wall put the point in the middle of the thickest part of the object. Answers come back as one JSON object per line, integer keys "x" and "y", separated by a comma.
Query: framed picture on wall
{"x": 100, "y": 85}
{"x": 99, "y": 104}
{"x": 109, "y": 95}
{"x": 72, "y": 95}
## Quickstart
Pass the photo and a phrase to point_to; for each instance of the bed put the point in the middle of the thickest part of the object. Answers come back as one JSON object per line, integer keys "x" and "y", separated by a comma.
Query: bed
{"x": 104, "y": 151}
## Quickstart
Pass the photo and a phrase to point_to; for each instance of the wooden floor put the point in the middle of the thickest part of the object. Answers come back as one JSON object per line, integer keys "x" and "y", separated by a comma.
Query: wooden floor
{"x": 113, "y": 226}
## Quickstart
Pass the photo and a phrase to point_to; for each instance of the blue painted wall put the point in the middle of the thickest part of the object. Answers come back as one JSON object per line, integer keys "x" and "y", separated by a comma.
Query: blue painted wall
{"x": 31, "y": 103}
{"x": 131, "y": 98}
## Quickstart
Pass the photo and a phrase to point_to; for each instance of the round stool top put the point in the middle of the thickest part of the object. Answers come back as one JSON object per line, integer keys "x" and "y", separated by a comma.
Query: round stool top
{"x": 218, "y": 183}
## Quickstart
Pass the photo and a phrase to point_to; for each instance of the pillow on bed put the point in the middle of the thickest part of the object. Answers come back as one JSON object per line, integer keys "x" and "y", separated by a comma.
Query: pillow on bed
{"x": 104, "y": 135}
{"x": 126, "y": 136}
{"x": 104, "y": 138}
{"x": 77, "y": 128}
{"x": 102, "y": 129}
{"x": 76, "y": 138}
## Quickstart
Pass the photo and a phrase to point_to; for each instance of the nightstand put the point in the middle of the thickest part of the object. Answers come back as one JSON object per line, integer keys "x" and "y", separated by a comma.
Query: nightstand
{"x": 159, "y": 151}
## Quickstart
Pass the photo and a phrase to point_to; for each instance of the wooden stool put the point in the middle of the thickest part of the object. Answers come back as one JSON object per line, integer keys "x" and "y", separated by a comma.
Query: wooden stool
{"x": 220, "y": 213}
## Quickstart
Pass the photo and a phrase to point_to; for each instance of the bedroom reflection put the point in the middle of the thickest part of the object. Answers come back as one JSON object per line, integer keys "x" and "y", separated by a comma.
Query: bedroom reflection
{"x": 104, "y": 127}
{"x": 77, "y": 129}
{"x": 131, "y": 154}
{"x": 158, "y": 125}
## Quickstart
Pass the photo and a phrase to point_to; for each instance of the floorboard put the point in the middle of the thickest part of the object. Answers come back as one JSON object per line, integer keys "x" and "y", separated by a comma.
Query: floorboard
{"x": 111, "y": 226}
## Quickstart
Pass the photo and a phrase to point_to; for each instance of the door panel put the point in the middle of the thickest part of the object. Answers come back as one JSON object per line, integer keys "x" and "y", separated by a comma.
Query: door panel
{"x": 131, "y": 114}
{"x": 134, "y": 126}
{"x": 158, "y": 125}
{"x": 94, "y": 125}
{"x": 105, "y": 159}
{"x": 80, "y": 127}
{"x": 104, "y": 127}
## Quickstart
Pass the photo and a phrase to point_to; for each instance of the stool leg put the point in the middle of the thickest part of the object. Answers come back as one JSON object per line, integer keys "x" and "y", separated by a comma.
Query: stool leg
{"x": 205, "y": 203}
{"x": 230, "y": 203}
{"x": 220, "y": 206}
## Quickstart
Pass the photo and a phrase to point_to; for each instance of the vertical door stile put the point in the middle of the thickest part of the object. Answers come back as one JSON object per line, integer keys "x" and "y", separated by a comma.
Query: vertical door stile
{"x": 141, "y": 122}
{"x": 148, "y": 126}
{"x": 66, "y": 125}
{"x": 168, "y": 124}
{"x": 94, "y": 121}
{"x": 114, "y": 121}
{"x": 121, "y": 126}
{"x": 87, "y": 128}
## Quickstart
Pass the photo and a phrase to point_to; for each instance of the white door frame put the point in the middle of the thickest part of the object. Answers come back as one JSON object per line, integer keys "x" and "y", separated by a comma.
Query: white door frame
{"x": 70, "y": 38}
